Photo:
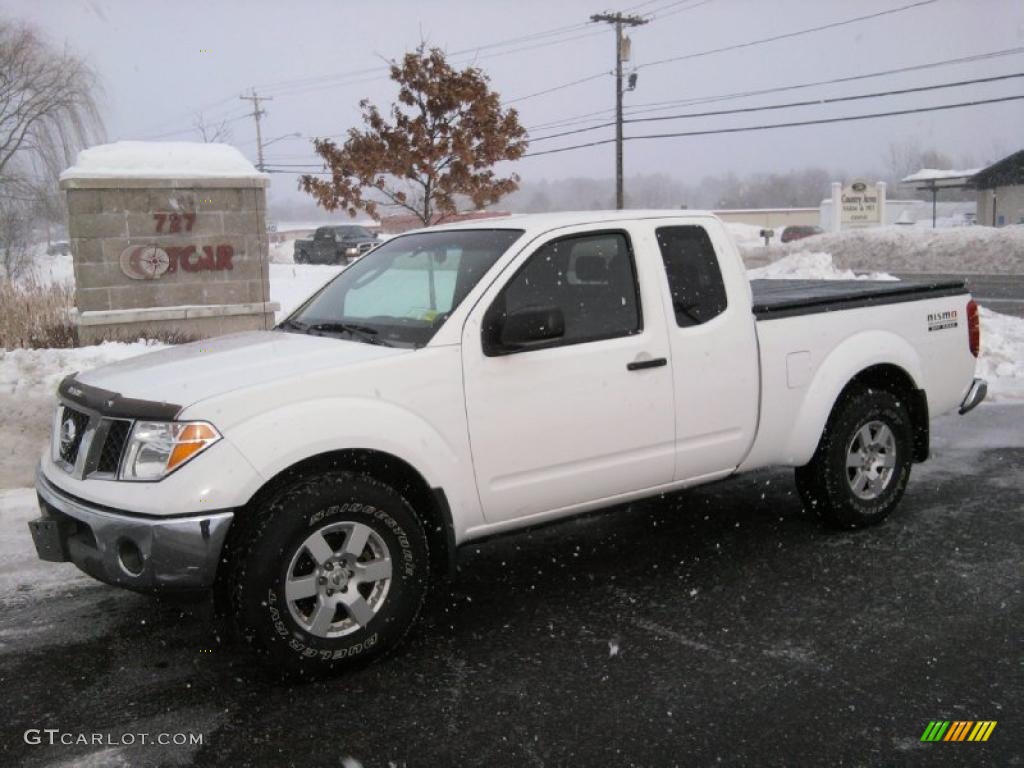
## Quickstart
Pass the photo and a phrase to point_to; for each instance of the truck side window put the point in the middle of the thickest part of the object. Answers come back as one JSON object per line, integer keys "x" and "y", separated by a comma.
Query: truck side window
{"x": 694, "y": 278}
{"x": 591, "y": 278}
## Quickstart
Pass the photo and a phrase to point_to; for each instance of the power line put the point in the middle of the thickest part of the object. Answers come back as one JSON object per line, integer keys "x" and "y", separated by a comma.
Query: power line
{"x": 788, "y": 105}
{"x": 788, "y": 35}
{"x": 661, "y": 105}
{"x": 748, "y": 44}
{"x": 794, "y": 124}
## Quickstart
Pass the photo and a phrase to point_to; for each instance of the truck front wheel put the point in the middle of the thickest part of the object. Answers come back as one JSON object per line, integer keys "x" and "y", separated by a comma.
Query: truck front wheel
{"x": 330, "y": 573}
{"x": 860, "y": 469}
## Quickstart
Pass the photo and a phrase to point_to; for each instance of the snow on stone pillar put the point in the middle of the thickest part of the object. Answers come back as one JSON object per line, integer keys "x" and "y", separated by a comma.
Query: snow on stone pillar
{"x": 167, "y": 238}
{"x": 837, "y": 206}
{"x": 882, "y": 218}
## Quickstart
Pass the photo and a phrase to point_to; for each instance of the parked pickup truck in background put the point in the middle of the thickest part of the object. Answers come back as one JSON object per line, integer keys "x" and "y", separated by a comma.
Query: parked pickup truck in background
{"x": 335, "y": 245}
{"x": 477, "y": 378}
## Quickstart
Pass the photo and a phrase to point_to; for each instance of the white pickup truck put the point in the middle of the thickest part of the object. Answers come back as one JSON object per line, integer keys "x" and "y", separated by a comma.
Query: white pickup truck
{"x": 471, "y": 379}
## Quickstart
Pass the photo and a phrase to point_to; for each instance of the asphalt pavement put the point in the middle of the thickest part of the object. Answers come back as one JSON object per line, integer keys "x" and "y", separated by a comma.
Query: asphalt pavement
{"x": 1000, "y": 293}
{"x": 719, "y": 626}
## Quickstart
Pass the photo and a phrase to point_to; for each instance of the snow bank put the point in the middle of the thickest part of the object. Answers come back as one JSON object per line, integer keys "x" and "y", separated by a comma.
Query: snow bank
{"x": 1002, "y": 355}
{"x": 810, "y": 266}
{"x": 961, "y": 250}
{"x": 25, "y": 371}
{"x": 161, "y": 159}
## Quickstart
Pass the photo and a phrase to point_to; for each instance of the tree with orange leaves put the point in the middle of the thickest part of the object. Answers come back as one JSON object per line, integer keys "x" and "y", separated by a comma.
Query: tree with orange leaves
{"x": 446, "y": 132}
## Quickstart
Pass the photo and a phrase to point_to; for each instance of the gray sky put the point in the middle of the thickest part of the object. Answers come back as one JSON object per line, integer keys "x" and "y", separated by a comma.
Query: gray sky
{"x": 161, "y": 62}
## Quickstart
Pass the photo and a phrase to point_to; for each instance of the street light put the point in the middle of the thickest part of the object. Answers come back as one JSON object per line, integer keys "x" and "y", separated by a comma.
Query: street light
{"x": 295, "y": 135}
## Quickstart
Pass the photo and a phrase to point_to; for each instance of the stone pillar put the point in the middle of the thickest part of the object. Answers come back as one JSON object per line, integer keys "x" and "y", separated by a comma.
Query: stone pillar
{"x": 880, "y": 188}
{"x": 186, "y": 257}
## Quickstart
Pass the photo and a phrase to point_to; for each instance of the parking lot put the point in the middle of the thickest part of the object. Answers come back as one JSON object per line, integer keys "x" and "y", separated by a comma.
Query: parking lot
{"x": 716, "y": 626}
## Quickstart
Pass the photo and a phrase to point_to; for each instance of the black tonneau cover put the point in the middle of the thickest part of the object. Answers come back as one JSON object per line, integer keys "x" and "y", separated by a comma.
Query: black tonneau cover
{"x": 787, "y": 298}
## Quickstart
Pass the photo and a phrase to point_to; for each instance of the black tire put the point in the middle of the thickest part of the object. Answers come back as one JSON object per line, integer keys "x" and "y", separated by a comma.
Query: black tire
{"x": 827, "y": 485}
{"x": 301, "y": 258}
{"x": 271, "y": 546}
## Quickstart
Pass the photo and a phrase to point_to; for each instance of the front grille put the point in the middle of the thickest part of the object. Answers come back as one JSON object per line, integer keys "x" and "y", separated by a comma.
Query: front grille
{"x": 113, "y": 446}
{"x": 72, "y": 430}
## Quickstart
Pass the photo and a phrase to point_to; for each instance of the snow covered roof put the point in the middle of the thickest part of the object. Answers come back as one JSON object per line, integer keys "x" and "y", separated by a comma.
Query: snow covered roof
{"x": 936, "y": 175}
{"x": 161, "y": 160}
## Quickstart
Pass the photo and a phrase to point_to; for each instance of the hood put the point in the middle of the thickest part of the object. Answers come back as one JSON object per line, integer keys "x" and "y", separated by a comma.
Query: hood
{"x": 188, "y": 373}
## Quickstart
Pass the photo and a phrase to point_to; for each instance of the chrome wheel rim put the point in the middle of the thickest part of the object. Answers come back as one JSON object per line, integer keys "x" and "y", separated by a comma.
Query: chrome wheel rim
{"x": 338, "y": 579}
{"x": 871, "y": 460}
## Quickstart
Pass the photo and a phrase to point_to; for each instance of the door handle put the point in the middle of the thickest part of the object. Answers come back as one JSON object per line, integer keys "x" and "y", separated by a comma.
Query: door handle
{"x": 639, "y": 365}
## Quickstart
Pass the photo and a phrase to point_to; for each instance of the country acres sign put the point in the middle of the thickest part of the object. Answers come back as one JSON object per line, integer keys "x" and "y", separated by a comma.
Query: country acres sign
{"x": 860, "y": 204}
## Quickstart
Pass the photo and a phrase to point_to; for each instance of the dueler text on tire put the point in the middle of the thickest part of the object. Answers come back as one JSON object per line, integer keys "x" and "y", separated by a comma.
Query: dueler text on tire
{"x": 861, "y": 466}
{"x": 329, "y": 573}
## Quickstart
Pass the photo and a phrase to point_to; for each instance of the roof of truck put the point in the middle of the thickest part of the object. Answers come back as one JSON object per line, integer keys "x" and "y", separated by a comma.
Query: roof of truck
{"x": 541, "y": 222}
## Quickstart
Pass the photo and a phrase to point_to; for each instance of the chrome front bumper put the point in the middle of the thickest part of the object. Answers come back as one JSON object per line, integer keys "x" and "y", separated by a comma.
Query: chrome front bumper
{"x": 974, "y": 396}
{"x": 145, "y": 553}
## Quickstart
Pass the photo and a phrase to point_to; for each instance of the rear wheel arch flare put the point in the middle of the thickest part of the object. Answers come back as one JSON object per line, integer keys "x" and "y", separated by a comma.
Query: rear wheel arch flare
{"x": 890, "y": 377}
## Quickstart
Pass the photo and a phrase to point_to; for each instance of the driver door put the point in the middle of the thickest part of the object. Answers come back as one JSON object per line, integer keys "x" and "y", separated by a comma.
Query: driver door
{"x": 582, "y": 417}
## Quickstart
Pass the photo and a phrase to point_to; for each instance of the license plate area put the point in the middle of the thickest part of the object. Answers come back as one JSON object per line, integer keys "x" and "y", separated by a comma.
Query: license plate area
{"x": 49, "y": 539}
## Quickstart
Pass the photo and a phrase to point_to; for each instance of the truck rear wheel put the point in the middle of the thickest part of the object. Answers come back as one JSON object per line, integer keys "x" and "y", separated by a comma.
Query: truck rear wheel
{"x": 860, "y": 469}
{"x": 329, "y": 574}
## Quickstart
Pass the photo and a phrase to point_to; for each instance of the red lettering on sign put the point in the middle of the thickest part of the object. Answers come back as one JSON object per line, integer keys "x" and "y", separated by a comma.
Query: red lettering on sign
{"x": 224, "y": 256}
{"x": 175, "y": 220}
{"x": 212, "y": 258}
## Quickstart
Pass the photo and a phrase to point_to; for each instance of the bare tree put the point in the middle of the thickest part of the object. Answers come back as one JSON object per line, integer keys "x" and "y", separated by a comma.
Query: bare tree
{"x": 211, "y": 132}
{"x": 48, "y": 107}
{"x": 15, "y": 233}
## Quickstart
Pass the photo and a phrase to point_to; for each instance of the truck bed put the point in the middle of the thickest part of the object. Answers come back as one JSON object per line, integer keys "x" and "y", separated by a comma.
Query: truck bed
{"x": 775, "y": 299}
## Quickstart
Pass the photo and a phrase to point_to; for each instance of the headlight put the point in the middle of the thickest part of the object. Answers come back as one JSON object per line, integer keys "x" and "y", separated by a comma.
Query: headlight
{"x": 351, "y": 251}
{"x": 157, "y": 448}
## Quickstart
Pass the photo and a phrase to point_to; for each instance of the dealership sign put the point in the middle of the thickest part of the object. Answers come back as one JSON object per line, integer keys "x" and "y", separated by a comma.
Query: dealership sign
{"x": 860, "y": 204}
{"x": 150, "y": 262}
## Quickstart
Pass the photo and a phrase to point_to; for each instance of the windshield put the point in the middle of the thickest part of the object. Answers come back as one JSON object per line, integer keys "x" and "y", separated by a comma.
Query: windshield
{"x": 352, "y": 232}
{"x": 401, "y": 293}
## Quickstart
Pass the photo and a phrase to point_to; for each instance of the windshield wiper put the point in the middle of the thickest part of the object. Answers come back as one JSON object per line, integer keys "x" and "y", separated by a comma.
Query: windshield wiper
{"x": 292, "y": 325}
{"x": 365, "y": 332}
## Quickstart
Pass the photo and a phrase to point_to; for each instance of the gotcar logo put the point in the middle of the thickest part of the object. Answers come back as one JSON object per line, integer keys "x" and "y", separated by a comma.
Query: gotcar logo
{"x": 144, "y": 262}
{"x": 938, "y": 321}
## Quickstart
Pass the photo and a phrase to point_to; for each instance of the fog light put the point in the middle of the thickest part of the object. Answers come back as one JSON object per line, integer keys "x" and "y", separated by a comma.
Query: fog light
{"x": 130, "y": 555}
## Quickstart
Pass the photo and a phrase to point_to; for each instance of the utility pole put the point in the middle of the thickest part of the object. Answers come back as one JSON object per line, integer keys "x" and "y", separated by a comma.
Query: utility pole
{"x": 619, "y": 20}
{"x": 257, "y": 113}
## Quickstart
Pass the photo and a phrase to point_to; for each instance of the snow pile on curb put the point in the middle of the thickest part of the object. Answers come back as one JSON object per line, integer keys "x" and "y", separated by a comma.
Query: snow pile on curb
{"x": 809, "y": 266}
{"x": 1002, "y": 355}
{"x": 38, "y": 371}
{"x": 960, "y": 250}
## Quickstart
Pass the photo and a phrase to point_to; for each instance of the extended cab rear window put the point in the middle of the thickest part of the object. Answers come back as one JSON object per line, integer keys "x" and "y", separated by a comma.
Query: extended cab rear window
{"x": 694, "y": 278}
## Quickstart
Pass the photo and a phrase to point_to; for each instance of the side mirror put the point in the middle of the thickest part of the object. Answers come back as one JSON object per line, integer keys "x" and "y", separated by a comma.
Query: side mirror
{"x": 524, "y": 329}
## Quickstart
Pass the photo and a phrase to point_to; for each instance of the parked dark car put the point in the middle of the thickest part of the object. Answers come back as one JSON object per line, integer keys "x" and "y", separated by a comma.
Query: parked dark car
{"x": 796, "y": 232}
{"x": 335, "y": 245}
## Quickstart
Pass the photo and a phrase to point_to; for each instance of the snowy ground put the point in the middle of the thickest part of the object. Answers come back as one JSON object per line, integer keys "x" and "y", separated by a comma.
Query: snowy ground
{"x": 961, "y": 250}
